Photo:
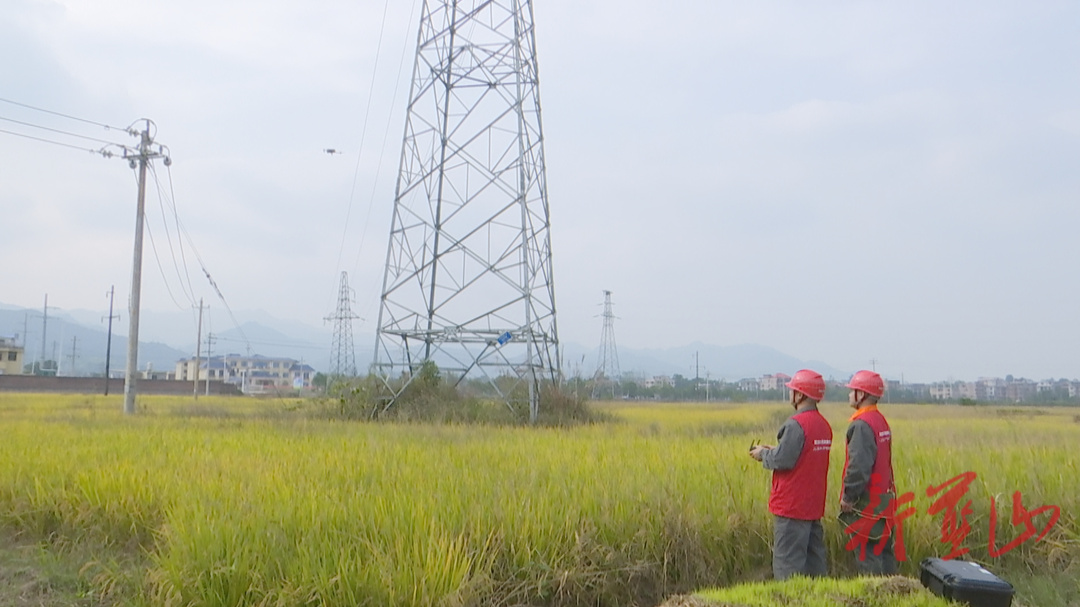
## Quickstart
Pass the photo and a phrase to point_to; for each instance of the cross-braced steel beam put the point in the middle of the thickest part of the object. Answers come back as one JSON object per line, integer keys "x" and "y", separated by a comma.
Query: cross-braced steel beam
{"x": 468, "y": 282}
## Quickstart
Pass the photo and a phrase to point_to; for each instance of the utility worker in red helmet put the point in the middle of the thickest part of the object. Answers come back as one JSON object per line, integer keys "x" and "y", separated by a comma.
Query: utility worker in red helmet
{"x": 800, "y": 465}
{"x": 868, "y": 471}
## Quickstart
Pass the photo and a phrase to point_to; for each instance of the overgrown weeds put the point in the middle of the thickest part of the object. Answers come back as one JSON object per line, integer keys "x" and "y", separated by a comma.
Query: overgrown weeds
{"x": 432, "y": 397}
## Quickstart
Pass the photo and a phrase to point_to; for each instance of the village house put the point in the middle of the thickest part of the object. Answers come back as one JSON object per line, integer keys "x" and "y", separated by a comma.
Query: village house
{"x": 253, "y": 374}
{"x": 11, "y": 357}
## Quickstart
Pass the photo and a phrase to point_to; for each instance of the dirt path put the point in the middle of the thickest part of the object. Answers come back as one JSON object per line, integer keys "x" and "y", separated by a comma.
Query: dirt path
{"x": 33, "y": 577}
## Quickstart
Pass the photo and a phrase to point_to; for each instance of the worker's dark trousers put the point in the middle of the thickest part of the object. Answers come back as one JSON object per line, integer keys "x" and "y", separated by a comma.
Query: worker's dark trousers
{"x": 798, "y": 548}
{"x": 875, "y": 564}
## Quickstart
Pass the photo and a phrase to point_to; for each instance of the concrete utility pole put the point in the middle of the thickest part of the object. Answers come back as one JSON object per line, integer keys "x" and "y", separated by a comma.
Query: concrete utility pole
{"x": 198, "y": 344}
{"x": 139, "y": 159}
{"x": 74, "y": 345}
{"x": 209, "y": 357}
{"x": 44, "y": 354}
{"x": 44, "y": 326}
{"x": 108, "y": 341}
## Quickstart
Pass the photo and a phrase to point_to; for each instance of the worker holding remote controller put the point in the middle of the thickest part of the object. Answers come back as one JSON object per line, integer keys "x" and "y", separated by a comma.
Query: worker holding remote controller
{"x": 800, "y": 467}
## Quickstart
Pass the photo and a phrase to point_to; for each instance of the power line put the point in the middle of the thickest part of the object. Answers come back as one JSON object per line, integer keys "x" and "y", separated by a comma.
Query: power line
{"x": 168, "y": 235}
{"x": 181, "y": 230}
{"x": 101, "y": 124}
{"x": 66, "y": 145}
{"x": 157, "y": 258}
{"x": 202, "y": 265}
{"x": 62, "y": 132}
{"x": 378, "y": 168}
{"x": 221, "y": 296}
{"x": 176, "y": 219}
{"x": 363, "y": 133}
{"x": 363, "y": 137}
{"x": 302, "y": 345}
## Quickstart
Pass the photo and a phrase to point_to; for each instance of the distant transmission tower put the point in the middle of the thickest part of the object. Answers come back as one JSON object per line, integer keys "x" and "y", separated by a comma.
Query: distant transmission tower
{"x": 342, "y": 354}
{"x": 607, "y": 368}
{"x": 468, "y": 281}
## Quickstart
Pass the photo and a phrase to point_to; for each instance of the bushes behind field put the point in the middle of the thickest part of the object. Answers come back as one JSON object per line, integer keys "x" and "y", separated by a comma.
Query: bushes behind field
{"x": 431, "y": 397}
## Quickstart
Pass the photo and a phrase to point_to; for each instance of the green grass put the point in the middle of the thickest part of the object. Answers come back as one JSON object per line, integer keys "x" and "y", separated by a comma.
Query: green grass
{"x": 43, "y": 574}
{"x": 826, "y": 592}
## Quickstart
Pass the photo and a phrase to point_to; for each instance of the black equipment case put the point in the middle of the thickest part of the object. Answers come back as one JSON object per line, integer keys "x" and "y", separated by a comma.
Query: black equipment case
{"x": 966, "y": 582}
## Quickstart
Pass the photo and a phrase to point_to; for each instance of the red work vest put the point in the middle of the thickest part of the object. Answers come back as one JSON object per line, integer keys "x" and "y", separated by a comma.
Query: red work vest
{"x": 799, "y": 493}
{"x": 881, "y": 474}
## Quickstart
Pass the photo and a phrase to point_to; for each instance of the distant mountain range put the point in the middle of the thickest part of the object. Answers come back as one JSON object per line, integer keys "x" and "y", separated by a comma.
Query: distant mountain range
{"x": 166, "y": 337}
{"x": 65, "y": 335}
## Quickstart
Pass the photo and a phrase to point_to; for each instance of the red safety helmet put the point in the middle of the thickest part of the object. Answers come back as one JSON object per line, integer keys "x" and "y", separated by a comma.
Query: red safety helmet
{"x": 809, "y": 383}
{"x": 868, "y": 382}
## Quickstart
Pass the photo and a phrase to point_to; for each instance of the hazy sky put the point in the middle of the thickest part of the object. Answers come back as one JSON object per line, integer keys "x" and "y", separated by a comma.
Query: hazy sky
{"x": 844, "y": 181}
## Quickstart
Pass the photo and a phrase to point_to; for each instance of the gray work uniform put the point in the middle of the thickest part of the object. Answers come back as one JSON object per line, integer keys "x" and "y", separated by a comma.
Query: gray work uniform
{"x": 798, "y": 546}
{"x": 862, "y": 453}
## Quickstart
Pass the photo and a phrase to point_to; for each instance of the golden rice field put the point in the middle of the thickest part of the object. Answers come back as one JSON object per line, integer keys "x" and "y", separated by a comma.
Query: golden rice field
{"x": 237, "y": 502}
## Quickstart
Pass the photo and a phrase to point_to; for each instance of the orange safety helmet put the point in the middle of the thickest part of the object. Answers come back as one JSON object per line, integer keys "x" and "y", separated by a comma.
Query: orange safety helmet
{"x": 868, "y": 382}
{"x": 809, "y": 383}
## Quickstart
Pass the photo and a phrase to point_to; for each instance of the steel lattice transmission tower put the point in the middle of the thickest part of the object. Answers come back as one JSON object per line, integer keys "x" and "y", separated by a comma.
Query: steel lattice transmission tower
{"x": 468, "y": 282}
{"x": 342, "y": 353}
{"x": 607, "y": 367}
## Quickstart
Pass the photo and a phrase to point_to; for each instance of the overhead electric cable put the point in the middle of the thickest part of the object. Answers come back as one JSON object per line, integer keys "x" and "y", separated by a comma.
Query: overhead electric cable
{"x": 176, "y": 219}
{"x": 66, "y": 145}
{"x": 157, "y": 259}
{"x": 202, "y": 266}
{"x": 378, "y": 169}
{"x": 168, "y": 234}
{"x": 62, "y": 132}
{"x": 221, "y": 296}
{"x": 363, "y": 134}
{"x": 303, "y": 345}
{"x": 182, "y": 230}
{"x": 37, "y": 109}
